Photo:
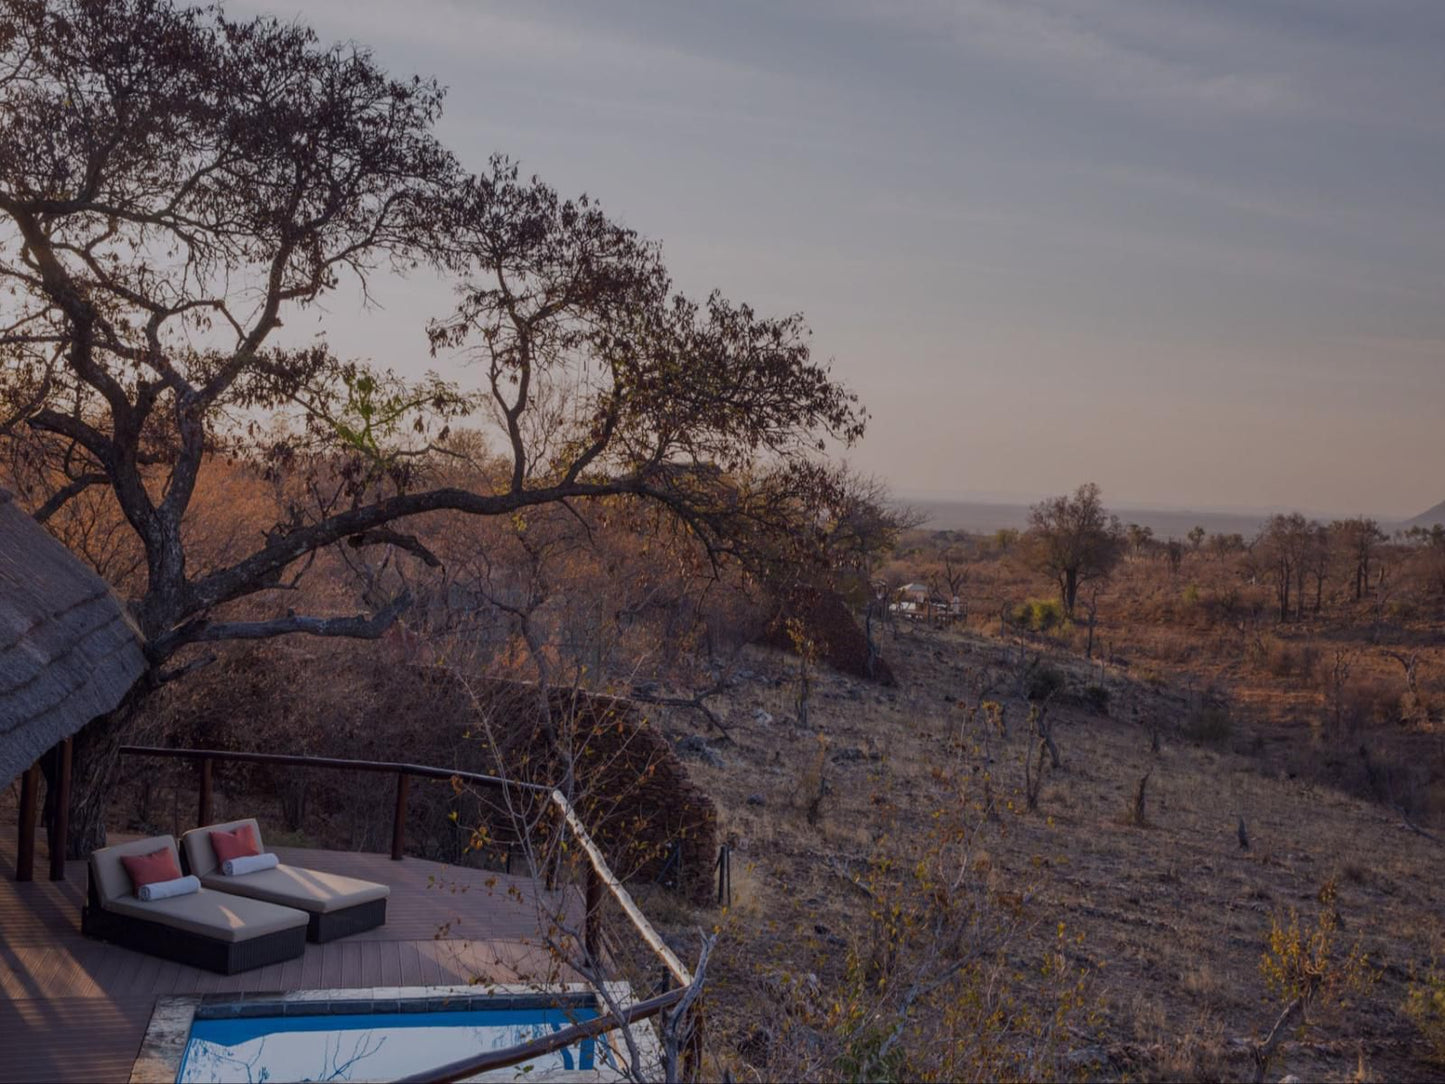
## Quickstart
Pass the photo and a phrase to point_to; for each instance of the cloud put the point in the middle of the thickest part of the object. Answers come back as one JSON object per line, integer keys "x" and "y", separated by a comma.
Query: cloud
{"x": 1114, "y": 51}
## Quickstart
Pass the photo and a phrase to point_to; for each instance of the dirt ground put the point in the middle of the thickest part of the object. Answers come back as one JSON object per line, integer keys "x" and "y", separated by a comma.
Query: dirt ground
{"x": 1174, "y": 914}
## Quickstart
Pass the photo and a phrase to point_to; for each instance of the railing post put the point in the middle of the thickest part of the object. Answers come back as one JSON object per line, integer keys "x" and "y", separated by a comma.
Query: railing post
{"x": 592, "y": 922}
{"x": 205, "y": 803}
{"x": 29, "y": 815}
{"x": 398, "y": 820}
{"x": 60, "y": 826}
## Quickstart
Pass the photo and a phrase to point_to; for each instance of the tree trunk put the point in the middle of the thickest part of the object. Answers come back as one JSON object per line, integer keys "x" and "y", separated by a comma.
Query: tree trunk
{"x": 1071, "y": 590}
{"x": 871, "y": 665}
{"x": 97, "y": 751}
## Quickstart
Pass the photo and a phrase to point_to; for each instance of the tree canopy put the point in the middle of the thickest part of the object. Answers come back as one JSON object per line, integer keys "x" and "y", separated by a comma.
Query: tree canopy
{"x": 1074, "y": 540}
{"x": 172, "y": 182}
{"x": 175, "y": 183}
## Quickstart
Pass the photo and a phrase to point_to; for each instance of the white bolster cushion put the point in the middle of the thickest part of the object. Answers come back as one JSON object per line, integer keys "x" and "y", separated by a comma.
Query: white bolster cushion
{"x": 251, "y": 863}
{"x": 164, "y": 890}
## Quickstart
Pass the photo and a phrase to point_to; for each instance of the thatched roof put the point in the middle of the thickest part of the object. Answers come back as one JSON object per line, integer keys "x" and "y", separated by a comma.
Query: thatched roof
{"x": 68, "y": 649}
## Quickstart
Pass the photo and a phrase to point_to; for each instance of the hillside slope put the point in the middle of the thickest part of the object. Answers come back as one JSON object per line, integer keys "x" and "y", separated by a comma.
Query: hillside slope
{"x": 1172, "y": 914}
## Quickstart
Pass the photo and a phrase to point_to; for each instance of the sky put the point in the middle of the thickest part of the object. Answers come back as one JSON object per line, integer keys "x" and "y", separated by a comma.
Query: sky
{"x": 1194, "y": 252}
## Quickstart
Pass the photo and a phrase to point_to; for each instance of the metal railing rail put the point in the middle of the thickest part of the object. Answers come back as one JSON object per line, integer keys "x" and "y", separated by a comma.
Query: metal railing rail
{"x": 599, "y": 878}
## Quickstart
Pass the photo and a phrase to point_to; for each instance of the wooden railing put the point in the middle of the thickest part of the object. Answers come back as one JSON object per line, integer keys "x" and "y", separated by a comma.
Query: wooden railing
{"x": 600, "y": 879}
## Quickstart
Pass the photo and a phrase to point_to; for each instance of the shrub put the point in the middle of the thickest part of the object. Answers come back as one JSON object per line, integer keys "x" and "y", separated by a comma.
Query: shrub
{"x": 1308, "y": 963}
{"x": 1096, "y": 699}
{"x": 1283, "y": 659}
{"x": 1044, "y": 683}
{"x": 1209, "y": 723}
{"x": 1040, "y": 615}
{"x": 1425, "y": 1006}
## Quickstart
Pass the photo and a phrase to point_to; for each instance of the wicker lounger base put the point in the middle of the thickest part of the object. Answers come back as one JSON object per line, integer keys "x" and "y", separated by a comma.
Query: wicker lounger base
{"x": 225, "y": 957}
{"x": 345, "y": 922}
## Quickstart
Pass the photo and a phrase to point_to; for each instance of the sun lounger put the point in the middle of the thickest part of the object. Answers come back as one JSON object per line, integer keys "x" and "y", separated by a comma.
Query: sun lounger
{"x": 213, "y": 930}
{"x": 335, "y": 905}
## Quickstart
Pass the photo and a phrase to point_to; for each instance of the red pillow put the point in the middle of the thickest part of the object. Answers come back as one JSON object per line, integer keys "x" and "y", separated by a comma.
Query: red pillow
{"x": 148, "y": 869}
{"x": 237, "y": 843}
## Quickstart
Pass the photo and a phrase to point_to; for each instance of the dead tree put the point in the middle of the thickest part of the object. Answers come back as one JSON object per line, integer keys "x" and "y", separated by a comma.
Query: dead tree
{"x": 1034, "y": 776}
{"x": 1044, "y": 728}
{"x": 1137, "y": 815}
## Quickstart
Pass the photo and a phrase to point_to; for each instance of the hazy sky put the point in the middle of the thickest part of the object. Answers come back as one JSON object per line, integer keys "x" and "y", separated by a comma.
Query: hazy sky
{"x": 1192, "y": 251}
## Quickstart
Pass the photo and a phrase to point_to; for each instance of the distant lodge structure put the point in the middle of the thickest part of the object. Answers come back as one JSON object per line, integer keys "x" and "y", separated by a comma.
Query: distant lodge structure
{"x": 919, "y": 601}
{"x": 69, "y": 651}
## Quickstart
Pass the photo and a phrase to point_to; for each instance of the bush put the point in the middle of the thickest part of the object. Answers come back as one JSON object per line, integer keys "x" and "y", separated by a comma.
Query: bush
{"x": 1308, "y": 968}
{"x": 1096, "y": 699}
{"x": 1044, "y": 683}
{"x": 1425, "y": 1006}
{"x": 1209, "y": 723}
{"x": 1283, "y": 659}
{"x": 1040, "y": 615}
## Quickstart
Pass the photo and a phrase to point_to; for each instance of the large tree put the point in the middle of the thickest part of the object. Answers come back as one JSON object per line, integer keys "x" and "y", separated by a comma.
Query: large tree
{"x": 1359, "y": 539}
{"x": 1285, "y": 548}
{"x": 173, "y": 183}
{"x": 1074, "y": 540}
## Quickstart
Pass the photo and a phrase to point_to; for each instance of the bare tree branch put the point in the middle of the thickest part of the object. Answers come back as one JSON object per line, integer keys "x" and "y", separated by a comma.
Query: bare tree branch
{"x": 358, "y": 627}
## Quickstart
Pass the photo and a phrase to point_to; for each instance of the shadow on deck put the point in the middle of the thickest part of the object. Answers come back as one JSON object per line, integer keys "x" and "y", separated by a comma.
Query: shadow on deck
{"x": 73, "y": 1009}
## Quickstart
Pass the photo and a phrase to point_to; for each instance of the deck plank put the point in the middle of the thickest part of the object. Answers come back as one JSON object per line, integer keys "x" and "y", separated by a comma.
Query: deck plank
{"x": 57, "y": 985}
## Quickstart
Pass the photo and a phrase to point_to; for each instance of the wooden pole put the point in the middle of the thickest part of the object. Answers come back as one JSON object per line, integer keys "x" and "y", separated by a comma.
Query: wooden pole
{"x": 60, "y": 827}
{"x": 592, "y": 923}
{"x": 29, "y": 815}
{"x": 206, "y": 803}
{"x": 398, "y": 820}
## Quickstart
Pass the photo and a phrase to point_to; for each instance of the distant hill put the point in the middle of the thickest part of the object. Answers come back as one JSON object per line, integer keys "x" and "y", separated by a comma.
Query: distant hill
{"x": 1430, "y": 518}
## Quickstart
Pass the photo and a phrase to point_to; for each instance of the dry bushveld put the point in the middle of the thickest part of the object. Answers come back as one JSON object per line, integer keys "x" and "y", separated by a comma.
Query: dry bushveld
{"x": 1133, "y": 924}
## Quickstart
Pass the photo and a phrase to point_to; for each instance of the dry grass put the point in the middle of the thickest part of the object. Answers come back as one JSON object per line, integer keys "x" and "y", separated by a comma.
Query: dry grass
{"x": 1174, "y": 915}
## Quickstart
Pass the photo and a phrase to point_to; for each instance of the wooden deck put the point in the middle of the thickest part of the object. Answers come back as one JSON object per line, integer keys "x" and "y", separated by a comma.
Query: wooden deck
{"x": 75, "y": 1009}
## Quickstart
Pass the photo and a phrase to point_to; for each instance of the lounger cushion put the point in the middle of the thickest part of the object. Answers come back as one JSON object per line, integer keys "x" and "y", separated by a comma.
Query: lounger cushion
{"x": 148, "y": 869}
{"x": 108, "y": 873}
{"x": 238, "y": 843}
{"x": 293, "y": 886}
{"x": 201, "y": 856}
{"x": 216, "y": 915}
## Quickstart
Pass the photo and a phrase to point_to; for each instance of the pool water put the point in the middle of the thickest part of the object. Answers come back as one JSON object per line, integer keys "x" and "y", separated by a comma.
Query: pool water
{"x": 372, "y": 1046}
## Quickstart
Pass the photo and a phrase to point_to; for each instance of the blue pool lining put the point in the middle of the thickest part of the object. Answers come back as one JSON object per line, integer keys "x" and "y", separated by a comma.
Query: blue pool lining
{"x": 234, "y": 1030}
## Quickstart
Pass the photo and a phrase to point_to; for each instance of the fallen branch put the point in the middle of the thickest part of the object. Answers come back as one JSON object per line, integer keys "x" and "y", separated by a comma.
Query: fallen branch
{"x": 697, "y": 702}
{"x": 1407, "y": 823}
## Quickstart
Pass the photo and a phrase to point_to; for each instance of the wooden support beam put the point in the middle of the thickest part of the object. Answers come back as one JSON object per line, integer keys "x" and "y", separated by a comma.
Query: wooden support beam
{"x": 60, "y": 824}
{"x": 29, "y": 817}
{"x": 205, "y": 806}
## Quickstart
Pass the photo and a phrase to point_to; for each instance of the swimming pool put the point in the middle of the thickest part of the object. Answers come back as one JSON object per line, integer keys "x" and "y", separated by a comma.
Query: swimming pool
{"x": 371, "y": 1046}
{"x": 373, "y": 1034}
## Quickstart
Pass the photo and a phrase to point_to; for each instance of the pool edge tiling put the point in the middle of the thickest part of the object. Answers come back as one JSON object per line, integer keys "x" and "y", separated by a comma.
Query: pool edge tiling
{"x": 164, "y": 1047}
